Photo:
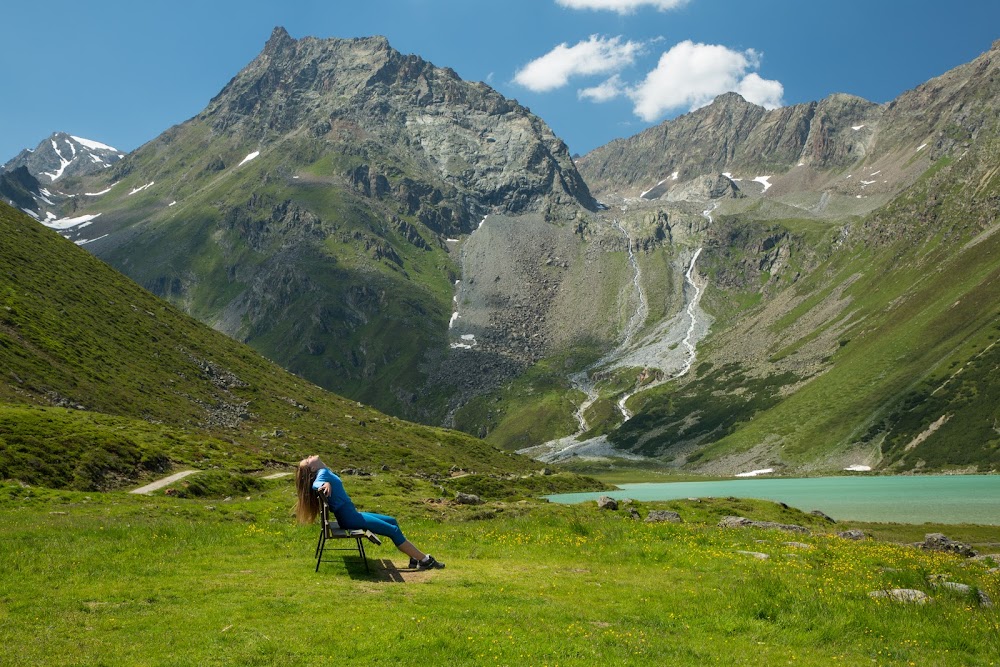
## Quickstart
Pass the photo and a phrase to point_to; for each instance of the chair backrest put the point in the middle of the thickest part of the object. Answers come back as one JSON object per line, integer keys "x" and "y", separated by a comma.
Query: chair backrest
{"x": 327, "y": 519}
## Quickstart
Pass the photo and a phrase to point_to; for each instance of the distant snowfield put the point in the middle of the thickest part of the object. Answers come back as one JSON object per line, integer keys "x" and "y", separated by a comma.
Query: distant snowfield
{"x": 86, "y": 241}
{"x": 93, "y": 145}
{"x": 63, "y": 162}
{"x": 643, "y": 194}
{"x": 858, "y": 468}
{"x": 646, "y": 192}
{"x": 468, "y": 342}
{"x": 248, "y": 158}
{"x": 754, "y": 473}
{"x": 763, "y": 180}
{"x": 66, "y": 223}
{"x": 98, "y": 194}
{"x": 142, "y": 187}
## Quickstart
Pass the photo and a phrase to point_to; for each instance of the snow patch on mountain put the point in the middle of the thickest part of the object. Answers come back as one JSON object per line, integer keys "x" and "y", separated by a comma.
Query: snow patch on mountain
{"x": 754, "y": 473}
{"x": 248, "y": 158}
{"x": 66, "y": 223}
{"x": 93, "y": 145}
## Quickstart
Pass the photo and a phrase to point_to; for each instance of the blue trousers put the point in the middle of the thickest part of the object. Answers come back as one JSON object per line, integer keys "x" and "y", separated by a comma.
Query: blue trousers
{"x": 380, "y": 524}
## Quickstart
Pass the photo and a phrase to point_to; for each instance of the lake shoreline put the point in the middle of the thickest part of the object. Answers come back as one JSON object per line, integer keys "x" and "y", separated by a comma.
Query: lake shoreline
{"x": 911, "y": 499}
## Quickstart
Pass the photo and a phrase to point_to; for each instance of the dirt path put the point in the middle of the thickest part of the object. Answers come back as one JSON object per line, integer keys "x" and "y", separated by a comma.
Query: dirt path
{"x": 160, "y": 483}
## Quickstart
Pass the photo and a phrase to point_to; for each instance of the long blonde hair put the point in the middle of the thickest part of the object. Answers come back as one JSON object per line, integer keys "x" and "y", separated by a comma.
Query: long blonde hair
{"x": 307, "y": 504}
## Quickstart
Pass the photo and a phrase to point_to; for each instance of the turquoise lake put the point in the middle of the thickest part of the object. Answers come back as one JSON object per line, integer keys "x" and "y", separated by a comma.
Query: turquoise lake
{"x": 916, "y": 499}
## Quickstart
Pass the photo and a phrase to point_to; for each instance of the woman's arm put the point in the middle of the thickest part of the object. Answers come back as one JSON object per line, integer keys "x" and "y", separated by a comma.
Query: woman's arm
{"x": 322, "y": 483}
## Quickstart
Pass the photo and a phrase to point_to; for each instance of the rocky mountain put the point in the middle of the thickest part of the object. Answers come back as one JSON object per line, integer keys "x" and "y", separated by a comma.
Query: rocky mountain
{"x": 57, "y": 164}
{"x": 839, "y": 306}
{"x": 317, "y": 209}
{"x": 491, "y": 153}
{"x": 805, "y": 148}
{"x": 807, "y": 288}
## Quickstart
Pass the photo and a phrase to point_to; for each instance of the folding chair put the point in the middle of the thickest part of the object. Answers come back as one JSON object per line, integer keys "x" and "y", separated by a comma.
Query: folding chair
{"x": 329, "y": 529}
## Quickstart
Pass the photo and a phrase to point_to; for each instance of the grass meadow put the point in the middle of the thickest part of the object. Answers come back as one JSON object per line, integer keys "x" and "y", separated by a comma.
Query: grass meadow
{"x": 119, "y": 579}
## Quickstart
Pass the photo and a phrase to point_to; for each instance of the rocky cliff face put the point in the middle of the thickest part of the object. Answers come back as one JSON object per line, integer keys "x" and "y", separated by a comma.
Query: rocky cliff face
{"x": 481, "y": 151}
{"x": 821, "y": 139}
{"x": 20, "y": 189}
{"x": 732, "y": 135}
{"x": 313, "y": 209}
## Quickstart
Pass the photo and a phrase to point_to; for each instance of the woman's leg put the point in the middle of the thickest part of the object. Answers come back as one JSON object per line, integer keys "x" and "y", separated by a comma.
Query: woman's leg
{"x": 380, "y": 524}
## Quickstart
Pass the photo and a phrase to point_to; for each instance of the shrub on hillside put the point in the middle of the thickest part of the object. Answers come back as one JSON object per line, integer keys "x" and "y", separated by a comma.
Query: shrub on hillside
{"x": 217, "y": 484}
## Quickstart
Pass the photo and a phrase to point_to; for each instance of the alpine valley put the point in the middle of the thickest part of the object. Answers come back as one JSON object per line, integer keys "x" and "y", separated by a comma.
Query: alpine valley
{"x": 806, "y": 289}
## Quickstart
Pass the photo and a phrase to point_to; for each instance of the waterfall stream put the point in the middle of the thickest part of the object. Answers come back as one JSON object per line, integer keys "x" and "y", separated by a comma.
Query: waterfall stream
{"x": 655, "y": 349}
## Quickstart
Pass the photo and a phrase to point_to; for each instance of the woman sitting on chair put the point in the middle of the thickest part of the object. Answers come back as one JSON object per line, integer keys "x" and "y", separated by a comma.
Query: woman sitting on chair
{"x": 313, "y": 476}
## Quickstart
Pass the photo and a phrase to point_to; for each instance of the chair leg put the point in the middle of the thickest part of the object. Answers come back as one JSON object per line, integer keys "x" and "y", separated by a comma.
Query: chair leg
{"x": 319, "y": 549}
{"x": 364, "y": 556}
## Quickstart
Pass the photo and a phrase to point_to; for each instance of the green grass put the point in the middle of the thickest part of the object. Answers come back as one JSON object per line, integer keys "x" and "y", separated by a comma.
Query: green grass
{"x": 886, "y": 332}
{"x": 141, "y": 382}
{"x": 358, "y": 288}
{"x": 116, "y": 579}
{"x": 536, "y": 407}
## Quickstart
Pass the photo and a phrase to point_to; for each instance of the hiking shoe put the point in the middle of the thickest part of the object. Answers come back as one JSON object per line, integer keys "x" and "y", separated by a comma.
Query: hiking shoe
{"x": 430, "y": 563}
{"x": 413, "y": 563}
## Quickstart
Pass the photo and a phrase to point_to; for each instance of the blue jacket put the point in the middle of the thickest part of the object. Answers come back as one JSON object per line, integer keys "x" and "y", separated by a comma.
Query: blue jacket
{"x": 345, "y": 511}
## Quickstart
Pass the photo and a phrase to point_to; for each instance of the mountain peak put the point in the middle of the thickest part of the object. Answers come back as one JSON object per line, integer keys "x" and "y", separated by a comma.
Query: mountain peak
{"x": 279, "y": 40}
{"x": 63, "y": 154}
{"x": 338, "y": 90}
{"x": 732, "y": 98}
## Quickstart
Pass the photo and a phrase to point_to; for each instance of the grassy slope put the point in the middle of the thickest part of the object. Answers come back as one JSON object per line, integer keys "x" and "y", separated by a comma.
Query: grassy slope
{"x": 922, "y": 309}
{"x": 923, "y": 303}
{"x": 533, "y": 408}
{"x": 155, "y": 383}
{"x": 116, "y": 579}
{"x": 344, "y": 318}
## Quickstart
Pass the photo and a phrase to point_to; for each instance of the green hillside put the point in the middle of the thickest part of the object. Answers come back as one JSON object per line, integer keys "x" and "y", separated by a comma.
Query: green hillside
{"x": 883, "y": 351}
{"x": 282, "y": 254}
{"x": 103, "y": 383}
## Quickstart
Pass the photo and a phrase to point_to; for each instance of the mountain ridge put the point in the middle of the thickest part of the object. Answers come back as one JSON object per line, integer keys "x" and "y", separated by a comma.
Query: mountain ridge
{"x": 338, "y": 201}
{"x": 316, "y": 207}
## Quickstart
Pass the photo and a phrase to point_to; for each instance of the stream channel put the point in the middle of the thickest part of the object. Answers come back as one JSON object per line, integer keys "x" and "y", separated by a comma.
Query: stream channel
{"x": 669, "y": 348}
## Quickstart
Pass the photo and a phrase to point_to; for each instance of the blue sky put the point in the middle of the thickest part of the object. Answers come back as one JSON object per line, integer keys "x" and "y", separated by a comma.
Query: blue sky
{"x": 121, "y": 72}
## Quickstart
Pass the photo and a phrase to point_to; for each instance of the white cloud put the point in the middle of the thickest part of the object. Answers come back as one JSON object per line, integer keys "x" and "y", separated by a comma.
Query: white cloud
{"x": 768, "y": 93}
{"x": 597, "y": 55}
{"x": 622, "y": 6}
{"x": 692, "y": 75}
{"x": 604, "y": 92}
